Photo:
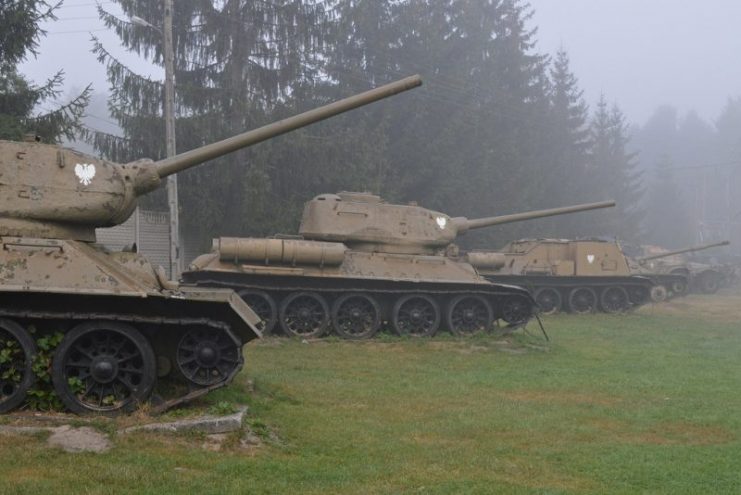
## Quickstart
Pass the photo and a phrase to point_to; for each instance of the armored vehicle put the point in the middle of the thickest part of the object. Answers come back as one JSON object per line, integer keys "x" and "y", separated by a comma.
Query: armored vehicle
{"x": 123, "y": 323}
{"x": 579, "y": 275}
{"x": 360, "y": 262}
{"x": 702, "y": 277}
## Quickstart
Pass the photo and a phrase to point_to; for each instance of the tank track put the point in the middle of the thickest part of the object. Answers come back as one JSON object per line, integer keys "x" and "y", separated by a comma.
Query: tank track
{"x": 161, "y": 344}
{"x": 583, "y": 294}
{"x": 359, "y": 308}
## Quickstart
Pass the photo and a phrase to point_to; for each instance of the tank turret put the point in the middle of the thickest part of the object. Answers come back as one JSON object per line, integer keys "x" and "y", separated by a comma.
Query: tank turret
{"x": 365, "y": 222}
{"x": 79, "y": 193}
{"x": 128, "y": 333}
{"x": 681, "y": 251}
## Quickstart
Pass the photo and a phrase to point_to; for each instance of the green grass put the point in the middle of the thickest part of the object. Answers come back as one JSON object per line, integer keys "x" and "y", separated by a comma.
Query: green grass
{"x": 641, "y": 403}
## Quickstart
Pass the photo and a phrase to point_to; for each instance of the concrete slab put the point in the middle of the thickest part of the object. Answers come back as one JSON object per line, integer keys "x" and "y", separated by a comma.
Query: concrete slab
{"x": 75, "y": 440}
{"x": 206, "y": 424}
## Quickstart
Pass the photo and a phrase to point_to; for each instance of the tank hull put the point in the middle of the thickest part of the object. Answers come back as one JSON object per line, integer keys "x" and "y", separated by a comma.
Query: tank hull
{"x": 639, "y": 290}
{"x": 100, "y": 301}
{"x": 380, "y": 281}
{"x": 580, "y": 276}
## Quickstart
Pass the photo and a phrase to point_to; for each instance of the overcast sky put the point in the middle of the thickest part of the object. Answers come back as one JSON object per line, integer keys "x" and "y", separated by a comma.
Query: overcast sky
{"x": 639, "y": 53}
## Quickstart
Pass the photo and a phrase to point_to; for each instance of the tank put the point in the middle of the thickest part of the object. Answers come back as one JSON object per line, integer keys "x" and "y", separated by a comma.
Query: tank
{"x": 123, "y": 325}
{"x": 704, "y": 278}
{"x": 581, "y": 276}
{"x": 360, "y": 263}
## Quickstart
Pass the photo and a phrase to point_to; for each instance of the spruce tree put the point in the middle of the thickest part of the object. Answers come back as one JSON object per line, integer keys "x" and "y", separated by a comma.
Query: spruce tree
{"x": 614, "y": 174}
{"x": 20, "y": 32}
{"x": 565, "y": 169}
{"x": 238, "y": 65}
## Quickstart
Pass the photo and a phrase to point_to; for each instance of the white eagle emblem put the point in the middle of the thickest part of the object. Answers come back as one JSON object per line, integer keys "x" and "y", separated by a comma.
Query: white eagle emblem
{"x": 85, "y": 172}
{"x": 590, "y": 258}
{"x": 441, "y": 222}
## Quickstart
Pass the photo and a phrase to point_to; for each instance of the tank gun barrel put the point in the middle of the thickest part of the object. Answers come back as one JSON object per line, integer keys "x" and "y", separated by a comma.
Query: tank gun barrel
{"x": 463, "y": 224}
{"x": 182, "y": 161}
{"x": 681, "y": 251}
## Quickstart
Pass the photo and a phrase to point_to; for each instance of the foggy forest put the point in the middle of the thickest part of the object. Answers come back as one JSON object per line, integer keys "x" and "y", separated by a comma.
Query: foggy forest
{"x": 499, "y": 126}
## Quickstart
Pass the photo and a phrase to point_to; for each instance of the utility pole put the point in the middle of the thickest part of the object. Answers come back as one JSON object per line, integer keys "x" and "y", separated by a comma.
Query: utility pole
{"x": 169, "y": 111}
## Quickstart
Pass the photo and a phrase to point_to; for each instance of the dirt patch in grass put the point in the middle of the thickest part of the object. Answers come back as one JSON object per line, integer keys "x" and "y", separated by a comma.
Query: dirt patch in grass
{"x": 561, "y": 397}
{"x": 666, "y": 433}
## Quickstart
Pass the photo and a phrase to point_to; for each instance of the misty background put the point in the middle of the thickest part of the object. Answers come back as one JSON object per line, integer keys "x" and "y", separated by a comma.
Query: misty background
{"x": 666, "y": 70}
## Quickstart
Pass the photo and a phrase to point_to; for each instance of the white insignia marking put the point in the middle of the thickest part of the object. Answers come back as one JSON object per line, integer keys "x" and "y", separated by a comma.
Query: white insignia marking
{"x": 441, "y": 222}
{"x": 590, "y": 258}
{"x": 85, "y": 172}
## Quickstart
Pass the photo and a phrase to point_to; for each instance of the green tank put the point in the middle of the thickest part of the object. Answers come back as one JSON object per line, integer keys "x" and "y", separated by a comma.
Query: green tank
{"x": 124, "y": 325}
{"x": 360, "y": 263}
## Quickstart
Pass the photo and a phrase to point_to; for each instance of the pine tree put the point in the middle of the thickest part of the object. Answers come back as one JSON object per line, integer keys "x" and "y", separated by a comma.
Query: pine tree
{"x": 238, "y": 65}
{"x": 614, "y": 174}
{"x": 20, "y": 32}
{"x": 565, "y": 169}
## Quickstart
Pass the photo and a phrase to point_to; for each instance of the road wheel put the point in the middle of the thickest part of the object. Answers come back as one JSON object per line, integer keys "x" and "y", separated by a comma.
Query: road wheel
{"x": 582, "y": 300}
{"x": 356, "y": 316}
{"x": 517, "y": 309}
{"x": 207, "y": 356}
{"x": 416, "y": 315}
{"x": 638, "y": 295}
{"x": 264, "y": 306}
{"x": 304, "y": 314}
{"x": 679, "y": 288}
{"x": 658, "y": 293}
{"x": 614, "y": 300}
{"x": 469, "y": 315}
{"x": 548, "y": 300}
{"x": 17, "y": 351}
{"x": 709, "y": 283}
{"x": 103, "y": 367}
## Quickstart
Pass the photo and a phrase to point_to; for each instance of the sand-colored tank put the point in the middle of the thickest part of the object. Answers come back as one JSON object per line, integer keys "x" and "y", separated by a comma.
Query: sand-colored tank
{"x": 702, "y": 277}
{"x": 360, "y": 262}
{"x": 124, "y": 325}
{"x": 581, "y": 276}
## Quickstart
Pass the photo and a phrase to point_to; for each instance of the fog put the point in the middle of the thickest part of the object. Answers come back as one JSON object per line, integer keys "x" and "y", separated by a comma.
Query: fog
{"x": 671, "y": 68}
{"x": 639, "y": 53}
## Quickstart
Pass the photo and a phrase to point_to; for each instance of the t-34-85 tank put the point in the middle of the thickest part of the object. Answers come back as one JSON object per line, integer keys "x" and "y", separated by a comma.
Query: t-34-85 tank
{"x": 702, "y": 277}
{"x": 360, "y": 262}
{"x": 123, "y": 322}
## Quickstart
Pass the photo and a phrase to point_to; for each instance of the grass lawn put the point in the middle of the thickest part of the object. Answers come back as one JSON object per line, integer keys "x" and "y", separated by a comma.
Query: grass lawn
{"x": 642, "y": 403}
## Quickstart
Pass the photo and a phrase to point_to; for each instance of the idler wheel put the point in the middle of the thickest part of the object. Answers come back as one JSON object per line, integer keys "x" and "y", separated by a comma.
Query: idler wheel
{"x": 469, "y": 315}
{"x": 548, "y": 300}
{"x": 416, "y": 315}
{"x": 614, "y": 300}
{"x": 207, "y": 356}
{"x": 304, "y": 314}
{"x": 264, "y": 306}
{"x": 356, "y": 316}
{"x": 103, "y": 367}
{"x": 17, "y": 351}
{"x": 582, "y": 300}
{"x": 517, "y": 309}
